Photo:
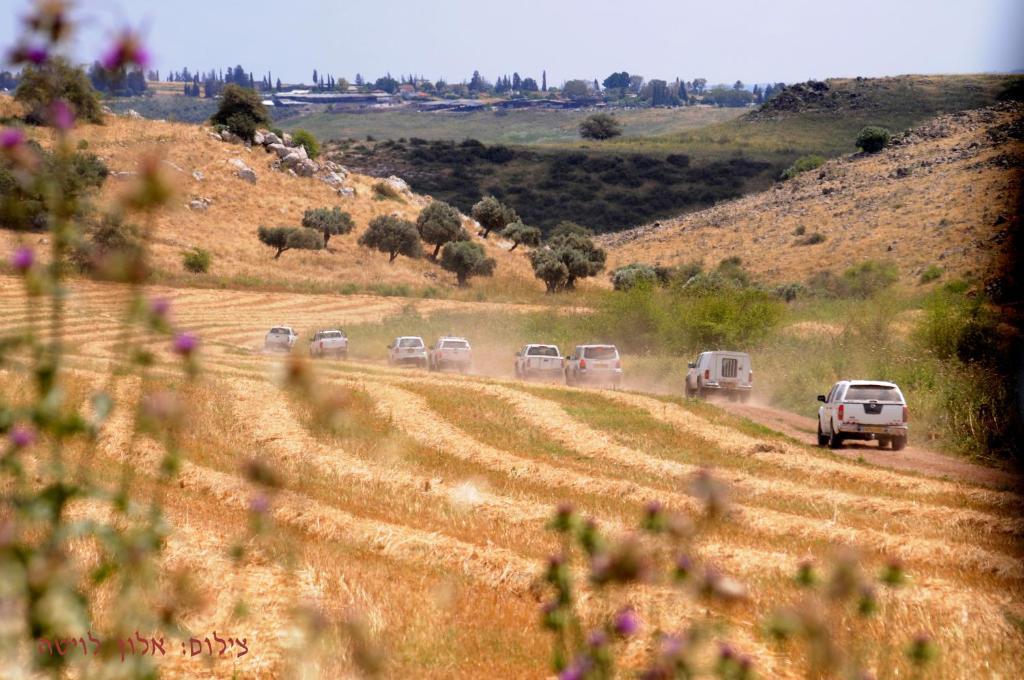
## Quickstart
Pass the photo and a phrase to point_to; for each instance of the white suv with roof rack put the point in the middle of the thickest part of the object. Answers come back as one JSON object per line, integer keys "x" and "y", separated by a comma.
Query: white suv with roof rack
{"x": 864, "y": 410}
{"x": 407, "y": 349}
{"x": 720, "y": 372}
{"x": 594, "y": 364}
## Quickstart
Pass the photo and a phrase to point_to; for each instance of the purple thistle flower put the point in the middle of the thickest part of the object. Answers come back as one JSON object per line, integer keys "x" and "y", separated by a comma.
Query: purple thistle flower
{"x": 597, "y": 638}
{"x": 185, "y": 344}
{"x": 259, "y": 504}
{"x": 61, "y": 115}
{"x": 11, "y": 138}
{"x": 626, "y": 622}
{"x": 22, "y": 259}
{"x": 577, "y": 670}
{"x": 22, "y": 436}
{"x": 126, "y": 51}
{"x": 36, "y": 55}
{"x": 159, "y": 307}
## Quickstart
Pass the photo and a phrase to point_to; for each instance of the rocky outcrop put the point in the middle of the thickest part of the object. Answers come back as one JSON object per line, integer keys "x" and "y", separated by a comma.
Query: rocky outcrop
{"x": 293, "y": 159}
{"x": 243, "y": 171}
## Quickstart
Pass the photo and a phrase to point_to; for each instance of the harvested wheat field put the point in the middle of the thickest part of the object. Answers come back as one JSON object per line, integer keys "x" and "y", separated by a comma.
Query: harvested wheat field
{"x": 421, "y": 506}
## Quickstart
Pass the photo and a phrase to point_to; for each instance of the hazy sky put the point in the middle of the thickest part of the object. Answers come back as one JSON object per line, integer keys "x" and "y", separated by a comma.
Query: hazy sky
{"x": 752, "y": 40}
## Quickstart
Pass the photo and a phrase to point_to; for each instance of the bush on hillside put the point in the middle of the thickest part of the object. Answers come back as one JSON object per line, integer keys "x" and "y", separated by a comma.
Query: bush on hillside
{"x": 549, "y": 269}
{"x": 872, "y": 139}
{"x": 862, "y": 280}
{"x": 438, "y": 224}
{"x": 22, "y": 206}
{"x": 466, "y": 259}
{"x": 637, "y": 273}
{"x": 392, "y": 235}
{"x": 803, "y": 164}
{"x": 328, "y": 221}
{"x": 600, "y": 126}
{"x": 811, "y": 239}
{"x": 38, "y": 84}
{"x": 306, "y": 139}
{"x": 931, "y": 273}
{"x": 290, "y": 238}
{"x": 111, "y": 249}
{"x": 196, "y": 260}
{"x": 241, "y": 110}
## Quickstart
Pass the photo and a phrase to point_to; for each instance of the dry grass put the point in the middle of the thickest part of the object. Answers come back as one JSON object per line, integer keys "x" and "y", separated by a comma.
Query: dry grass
{"x": 943, "y": 212}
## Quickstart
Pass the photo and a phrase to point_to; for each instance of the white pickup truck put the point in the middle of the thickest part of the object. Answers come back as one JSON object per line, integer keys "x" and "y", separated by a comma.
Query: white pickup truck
{"x": 451, "y": 352}
{"x": 864, "y": 410}
{"x": 720, "y": 372}
{"x": 539, "y": 361}
{"x": 328, "y": 342}
{"x": 279, "y": 339}
{"x": 594, "y": 364}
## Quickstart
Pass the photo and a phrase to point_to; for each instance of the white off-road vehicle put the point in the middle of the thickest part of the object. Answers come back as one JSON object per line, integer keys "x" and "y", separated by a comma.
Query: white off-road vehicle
{"x": 864, "y": 410}
{"x": 451, "y": 352}
{"x": 329, "y": 342}
{"x": 407, "y": 349}
{"x": 280, "y": 339}
{"x": 539, "y": 361}
{"x": 594, "y": 364}
{"x": 719, "y": 372}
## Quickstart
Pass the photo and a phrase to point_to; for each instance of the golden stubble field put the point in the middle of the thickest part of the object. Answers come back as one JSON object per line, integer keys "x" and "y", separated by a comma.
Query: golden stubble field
{"x": 425, "y": 511}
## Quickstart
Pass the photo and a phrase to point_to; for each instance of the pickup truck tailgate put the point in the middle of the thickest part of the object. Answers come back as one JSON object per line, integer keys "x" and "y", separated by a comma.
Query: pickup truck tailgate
{"x": 543, "y": 363}
{"x": 873, "y": 413}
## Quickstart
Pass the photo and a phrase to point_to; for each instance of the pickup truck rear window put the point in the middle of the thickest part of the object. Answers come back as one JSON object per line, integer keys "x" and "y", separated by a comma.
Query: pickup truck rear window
{"x": 600, "y": 353}
{"x": 873, "y": 393}
{"x": 331, "y": 334}
{"x": 279, "y": 331}
{"x": 542, "y": 352}
{"x": 454, "y": 344}
{"x": 410, "y": 342}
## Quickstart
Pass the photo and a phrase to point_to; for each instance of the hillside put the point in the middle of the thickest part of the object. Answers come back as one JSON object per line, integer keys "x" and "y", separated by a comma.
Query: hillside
{"x": 201, "y": 168}
{"x": 944, "y": 194}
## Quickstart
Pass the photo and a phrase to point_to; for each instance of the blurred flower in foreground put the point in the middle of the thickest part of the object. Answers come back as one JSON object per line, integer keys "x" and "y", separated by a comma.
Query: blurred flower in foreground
{"x": 626, "y": 622}
{"x": 50, "y": 17}
{"x": 185, "y": 344}
{"x": 22, "y": 436}
{"x": 61, "y": 116}
{"x": 23, "y": 259}
{"x": 127, "y": 50}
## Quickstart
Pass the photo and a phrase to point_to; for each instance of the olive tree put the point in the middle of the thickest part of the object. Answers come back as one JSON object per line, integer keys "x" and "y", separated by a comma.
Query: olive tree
{"x": 39, "y": 83}
{"x": 392, "y": 235}
{"x": 570, "y": 254}
{"x": 290, "y": 238}
{"x": 328, "y": 221}
{"x": 521, "y": 234}
{"x": 465, "y": 259}
{"x": 438, "y": 224}
{"x": 493, "y": 215}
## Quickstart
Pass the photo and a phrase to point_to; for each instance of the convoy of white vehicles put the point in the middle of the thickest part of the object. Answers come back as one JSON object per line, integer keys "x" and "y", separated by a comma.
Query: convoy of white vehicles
{"x": 866, "y": 410}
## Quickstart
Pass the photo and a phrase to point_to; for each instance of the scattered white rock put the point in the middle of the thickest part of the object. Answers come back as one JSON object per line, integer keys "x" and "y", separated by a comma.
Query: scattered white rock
{"x": 270, "y": 138}
{"x": 333, "y": 179}
{"x": 306, "y": 168}
{"x": 398, "y": 184}
{"x": 197, "y": 175}
{"x": 346, "y": 192}
{"x": 242, "y": 170}
{"x": 199, "y": 203}
{"x": 132, "y": 113}
{"x": 287, "y": 140}
{"x": 257, "y": 138}
{"x": 280, "y": 149}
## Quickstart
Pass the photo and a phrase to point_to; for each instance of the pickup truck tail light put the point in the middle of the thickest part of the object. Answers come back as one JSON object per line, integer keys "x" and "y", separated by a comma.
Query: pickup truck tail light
{"x": 841, "y": 412}
{"x": 618, "y": 363}
{"x": 750, "y": 377}
{"x": 707, "y": 374}
{"x": 906, "y": 414}
{"x": 583, "y": 364}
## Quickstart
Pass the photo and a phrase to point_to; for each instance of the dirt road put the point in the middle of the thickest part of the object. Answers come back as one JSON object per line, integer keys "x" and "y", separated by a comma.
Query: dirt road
{"x": 911, "y": 459}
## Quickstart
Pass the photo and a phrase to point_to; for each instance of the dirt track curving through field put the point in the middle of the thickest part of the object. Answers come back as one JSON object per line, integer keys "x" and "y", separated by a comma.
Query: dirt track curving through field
{"x": 911, "y": 459}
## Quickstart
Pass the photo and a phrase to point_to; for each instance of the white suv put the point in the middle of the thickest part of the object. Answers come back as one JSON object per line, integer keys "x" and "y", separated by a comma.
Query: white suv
{"x": 407, "y": 349}
{"x": 279, "y": 339}
{"x": 594, "y": 364}
{"x": 865, "y": 410}
{"x": 729, "y": 373}
{"x": 451, "y": 352}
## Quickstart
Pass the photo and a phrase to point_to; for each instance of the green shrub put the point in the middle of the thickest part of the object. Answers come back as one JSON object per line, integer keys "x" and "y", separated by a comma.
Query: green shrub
{"x": 872, "y": 139}
{"x": 328, "y": 221}
{"x": 803, "y": 164}
{"x": 600, "y": 126}
{"x": 197, "y": 260}
{"x": 306, "y": 139}
{"x": 800, "y": 230}
{"x": 57, "y": 78}
{"x": 862, "y": 280}
{"x": 931, "y": 273}
{"x": 438, "y": 224}
{"x": 466, "y": 259}
{"x": 632, "y": 275}
{"x": 241, "y": 110}
{"x": 290, "y": 238}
